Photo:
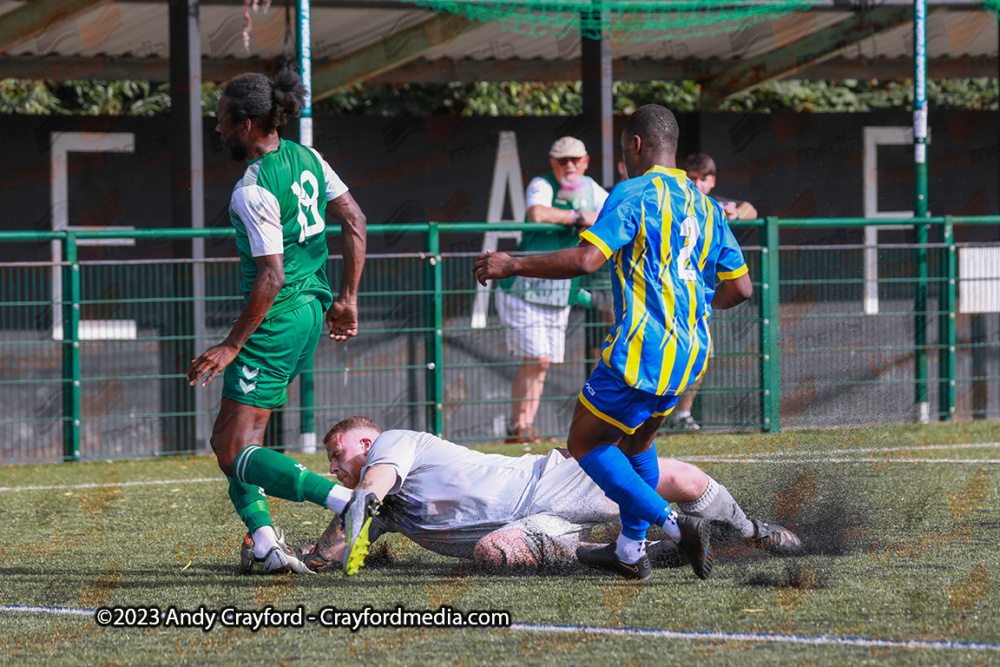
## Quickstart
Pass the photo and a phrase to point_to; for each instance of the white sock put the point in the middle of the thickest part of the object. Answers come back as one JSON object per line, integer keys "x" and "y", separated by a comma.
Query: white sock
{"x": 338, "y": 498}
{"x": 682, "y": 415}
{"x": 264, "y": 539}
{"x": 628, "y": 550}
{"x": 670, "y": 527}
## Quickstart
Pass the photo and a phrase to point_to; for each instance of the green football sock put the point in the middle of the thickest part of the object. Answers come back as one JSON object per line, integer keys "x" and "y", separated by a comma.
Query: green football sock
{"x": 280, "y": 476}
{"x": 250, "y": 504}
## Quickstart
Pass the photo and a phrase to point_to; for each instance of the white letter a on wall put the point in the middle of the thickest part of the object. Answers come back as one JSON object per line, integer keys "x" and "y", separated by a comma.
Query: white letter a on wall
{"x": 506, "y": 180}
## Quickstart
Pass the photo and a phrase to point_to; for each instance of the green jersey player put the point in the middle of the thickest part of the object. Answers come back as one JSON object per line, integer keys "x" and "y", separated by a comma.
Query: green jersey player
{"x": 278, "y": 209}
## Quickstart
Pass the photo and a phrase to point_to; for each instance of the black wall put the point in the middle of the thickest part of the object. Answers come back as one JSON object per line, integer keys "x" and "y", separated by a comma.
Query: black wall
{"x": 407, "y": 169}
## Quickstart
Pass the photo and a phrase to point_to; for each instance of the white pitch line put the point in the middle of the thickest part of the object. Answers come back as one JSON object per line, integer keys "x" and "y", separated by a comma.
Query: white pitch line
{"x": 49, "y": 610}
{"x": 97, "y": 484}
{"x": 715, "y": 459}
{"x": 722, "y": 458}
{"x": 914, "y": 644}
{"x": 872, "y": 450}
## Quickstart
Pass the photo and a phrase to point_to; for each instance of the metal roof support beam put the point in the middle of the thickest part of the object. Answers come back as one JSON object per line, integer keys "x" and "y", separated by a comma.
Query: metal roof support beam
{"x": 34, "y": 18}
{"x": 393, "y": 50}
{"x": 806, "y": 50}
{"x": 595, "y": 71}
{"x": 187, "y": 188}
{"x": 186, "y": 125}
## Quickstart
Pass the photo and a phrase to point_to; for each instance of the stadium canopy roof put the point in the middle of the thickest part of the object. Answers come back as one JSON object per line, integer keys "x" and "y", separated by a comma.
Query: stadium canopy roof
{"x": 393, "y": 41}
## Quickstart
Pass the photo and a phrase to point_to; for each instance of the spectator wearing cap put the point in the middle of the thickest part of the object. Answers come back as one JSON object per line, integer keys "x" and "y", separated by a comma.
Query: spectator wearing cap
{"x": 700, "y": 170}
{"x": 535, "y": 311}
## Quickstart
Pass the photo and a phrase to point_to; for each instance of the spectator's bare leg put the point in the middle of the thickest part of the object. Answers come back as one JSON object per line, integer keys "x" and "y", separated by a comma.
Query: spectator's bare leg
{"x": 527, "y": 392}
{"x": 686, "y": 400}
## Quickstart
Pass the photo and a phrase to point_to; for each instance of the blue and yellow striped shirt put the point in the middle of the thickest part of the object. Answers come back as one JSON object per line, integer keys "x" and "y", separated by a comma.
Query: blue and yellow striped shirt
{"x": 667, "y": 243}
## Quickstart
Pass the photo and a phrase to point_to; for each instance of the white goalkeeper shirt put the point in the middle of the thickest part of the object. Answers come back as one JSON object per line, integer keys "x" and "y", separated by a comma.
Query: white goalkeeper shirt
{"x": 447, "y": 496}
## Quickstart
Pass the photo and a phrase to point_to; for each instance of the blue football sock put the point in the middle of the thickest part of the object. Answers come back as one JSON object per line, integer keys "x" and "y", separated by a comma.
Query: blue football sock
{"x": 648, "y": 467}
{"x": 611, "y": 471}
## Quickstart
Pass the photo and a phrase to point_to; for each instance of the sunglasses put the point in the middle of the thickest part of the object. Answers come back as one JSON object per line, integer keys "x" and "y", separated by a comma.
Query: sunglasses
{"x": 566, "y": 160}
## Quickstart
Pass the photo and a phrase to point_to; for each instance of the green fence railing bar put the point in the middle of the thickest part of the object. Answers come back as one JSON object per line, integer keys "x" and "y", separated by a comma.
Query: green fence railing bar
{"x": 91, "y": 367}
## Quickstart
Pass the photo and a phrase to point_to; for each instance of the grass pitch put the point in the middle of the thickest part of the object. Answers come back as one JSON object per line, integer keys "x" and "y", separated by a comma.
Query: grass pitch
{"x": 900, "y": 526}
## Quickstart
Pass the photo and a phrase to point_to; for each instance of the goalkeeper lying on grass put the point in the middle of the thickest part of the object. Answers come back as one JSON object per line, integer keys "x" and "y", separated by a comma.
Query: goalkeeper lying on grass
{"x": 503, "y": 512}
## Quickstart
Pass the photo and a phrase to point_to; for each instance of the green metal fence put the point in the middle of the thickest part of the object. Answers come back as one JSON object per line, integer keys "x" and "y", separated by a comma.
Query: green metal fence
{"x": 93, "y": 352}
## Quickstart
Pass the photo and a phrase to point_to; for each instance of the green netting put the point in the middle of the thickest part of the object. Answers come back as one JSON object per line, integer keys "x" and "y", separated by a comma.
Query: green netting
{"x": 627, "y": 20}
{"x": 992, "y": 6}
{"x": 632, "y": 20}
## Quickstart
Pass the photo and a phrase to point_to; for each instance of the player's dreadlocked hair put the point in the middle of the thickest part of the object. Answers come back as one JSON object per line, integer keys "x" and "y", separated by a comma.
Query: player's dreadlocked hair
{"x": 656, "y": 125}
{"x": 271, "y": 104}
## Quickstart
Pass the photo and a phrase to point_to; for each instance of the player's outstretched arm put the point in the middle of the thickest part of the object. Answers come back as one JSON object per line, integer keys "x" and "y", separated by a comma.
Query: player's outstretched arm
{"x": 733, "y": 292}
{"x": 342, "y": 318}
{"x": 269, "y": 281}
{"x": 582, "y": 260}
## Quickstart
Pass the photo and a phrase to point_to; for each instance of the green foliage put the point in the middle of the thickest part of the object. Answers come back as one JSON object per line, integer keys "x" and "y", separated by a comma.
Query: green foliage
{"x": 524, "y": 99}
{"x": 510, "y": 98}
{"x": 559, "y": 99}
{"x": 853, "y": 95}
{"x": 979, "y": 93}
{"x": 675, "y": 95}
{"x": 415, "y": 99}
{"x": 210, "y": 94}
{"x": 28, "y": 97}
{"x": 94, "y": 98}
{"x": 114, "y": 98}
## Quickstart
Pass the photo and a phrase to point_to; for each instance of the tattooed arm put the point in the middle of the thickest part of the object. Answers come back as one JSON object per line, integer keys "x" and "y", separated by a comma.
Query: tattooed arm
{"x": 379, "y": 479}
{"x": 331, "y": 542}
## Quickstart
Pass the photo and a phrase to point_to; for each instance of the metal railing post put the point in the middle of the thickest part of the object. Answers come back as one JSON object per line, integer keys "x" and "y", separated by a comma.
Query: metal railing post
{"x": 920, "y": 324}
{"x": 770, "y": 354}
{"x": 435, "y": 337}
{"x": 307, "y": 417}
{"x": 946, "y": 323}
{"x": 303, "y": 52}
{"x": 71, "y": 349}
{"x": 920, "y": 204}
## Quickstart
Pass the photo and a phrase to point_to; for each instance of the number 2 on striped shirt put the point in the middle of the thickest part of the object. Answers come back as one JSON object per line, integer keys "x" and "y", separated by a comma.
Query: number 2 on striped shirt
{"x": 689, "y": 231}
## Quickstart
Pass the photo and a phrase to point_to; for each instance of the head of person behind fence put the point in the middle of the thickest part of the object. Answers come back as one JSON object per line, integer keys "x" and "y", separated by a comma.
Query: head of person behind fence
{"x": 700, "y": 170}
{"x": 252, "y": 109}
{"x": 649, "y": 138}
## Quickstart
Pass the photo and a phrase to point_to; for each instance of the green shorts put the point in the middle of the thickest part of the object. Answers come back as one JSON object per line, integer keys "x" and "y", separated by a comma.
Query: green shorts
{"x": 275, "y": 354}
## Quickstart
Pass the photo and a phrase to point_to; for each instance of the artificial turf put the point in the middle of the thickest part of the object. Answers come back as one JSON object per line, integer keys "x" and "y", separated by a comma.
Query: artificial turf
{"x": 900, "y": 543}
